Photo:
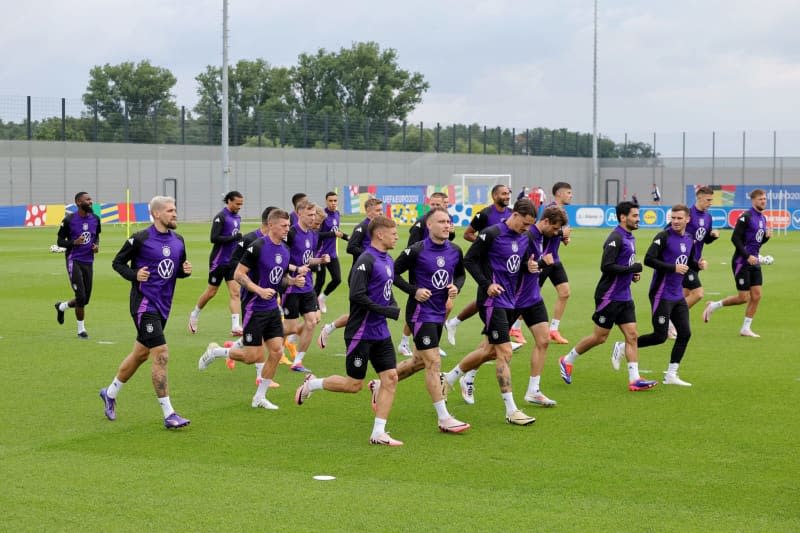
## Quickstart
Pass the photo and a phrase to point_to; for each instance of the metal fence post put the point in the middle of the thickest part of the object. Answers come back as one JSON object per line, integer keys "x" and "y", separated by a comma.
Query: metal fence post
{"x": 210, "y": 118}
{"x": 125, "y": 122}
{"x": 30, "y": 129}
{"x": 63, "y": 119}
{"x": 183, "y": 124}
{"x": 484, "y": 140}
{"x": 513, "y": 140}
{"x": 96, "y": 122}
{"x": 438, "y": 130}
{"x": 454, "y": 137}
{"x": 421, "y": 136}
{"x": 404, "y": 135}
{"x": 305, "y": 130}
{"x": 326, "y": 132}
{"x": 499, "y": 141}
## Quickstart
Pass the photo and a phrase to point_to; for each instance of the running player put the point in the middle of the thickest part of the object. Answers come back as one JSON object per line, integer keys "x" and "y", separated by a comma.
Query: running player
{"x": 562, "y": 196}
{"x": 328, "y": 233}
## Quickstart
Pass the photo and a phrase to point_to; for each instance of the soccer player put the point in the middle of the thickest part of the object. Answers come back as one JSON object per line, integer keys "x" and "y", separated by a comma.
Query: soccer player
{"x": 264, "y": 268}
{"x": 613, "y": 300}
{"x": 752, "y": 231}
{"x": 79, "y": 233}
{"x": 555, "y": 272}
{"x": 530, "y": 306}
{"x": 367, "y": 334}
{"x": 671, "y": 257}
{"x": 152, "y": 260}
{"x": 656, "y": 194}
{"x": 358, "y": 242}
{"x": 328, "y": 233}
{"x": 494, "y": 260}
{"x": 494, "y": 214}
{"x": 225, "y": 233}
{"x": 296, "y": 199}
{"x": 419, "y": 232}
{"x": 698, "y": 227}
{"x": 435, "y": 275}
{"x": 300, "y": 300}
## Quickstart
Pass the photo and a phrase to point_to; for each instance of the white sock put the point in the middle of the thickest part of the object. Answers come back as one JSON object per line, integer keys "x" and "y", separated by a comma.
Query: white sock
{"x": 673, "y": 368}
{"x": 379, "y": 427}
{"x": 331, "y": 326}
{"x": 238, "y": 343}
{"x": 454, "y": 321}
{"x": 554, "y": 324}
{"x": 322, "y": 296}
{"x": 633, "y": 371}
{"x": 299, "y": 357}
{"x": 716, "y": 305}
{"x": 235, "y": 322}
{"x": 533, "y": 384}
{"x": 166, "y": 406}
{"x": 441, "y": 409}
{"x": 259, "y": 369}
{"x": 220, "y": 352}
{"x": 81, "y": 327}
{"x": 508, "y": 399}
{"x": 571, "y": 357}
{"x": 517, "y": 324}
{"x": 63, "y": 306}
{"x": 114, "y": 388}
{"x": 292, "y": 338}
{"x": 469, "y": 377}
{"x": 263, "y": 387}
{"x": 747, "y": 323}
{"x": 453, "y": 375}
{"x": 196, "y": 311}
{"x": 405, "y": 339}
{"x": 316, "y": 384}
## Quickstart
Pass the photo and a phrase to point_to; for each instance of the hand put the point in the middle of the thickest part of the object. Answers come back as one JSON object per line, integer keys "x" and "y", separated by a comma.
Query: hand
{"x": 533, "y": 265}
{"x": 187, "y": 267}
{"x": 495, "y": 290}
{"x": 266, "y": 294}
{"x": 302, "y": 271}
{"x": 548, "y": 259}
{"x": 95, "y": 248}
{"x": 681, "y": 269}
{"x": 80, "y": 240}
{"x": 637, "y": 267}
{"x": 326, "y": 258}
{"x": 715, "y": 233}
{"x": 339, "y": 234}
{"x": 752, "y": 260}
{"x": 566, "y": 231}
{"x": 452, "y": 291}
{"x": 237, "y": 236}
{"x": 422, "y": 295}
{"x": 637, "y": 277}
{"x": 769, "y": 232}
{"x": 300, "y": 281}
{"x": 142, "y": 274}
{"x": 703, "y": 264}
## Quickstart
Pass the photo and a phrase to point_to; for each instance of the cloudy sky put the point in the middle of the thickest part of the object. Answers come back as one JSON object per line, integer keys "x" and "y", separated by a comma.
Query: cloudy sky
{"x": 666, "y": 66}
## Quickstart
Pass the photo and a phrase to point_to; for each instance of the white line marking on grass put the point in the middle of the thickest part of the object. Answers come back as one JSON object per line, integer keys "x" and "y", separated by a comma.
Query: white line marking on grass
{"x": 714, "y": 293}
{"x": 324, "y": 478}
{"x": 338, "y": 355}
{"x": 106, "y": 342}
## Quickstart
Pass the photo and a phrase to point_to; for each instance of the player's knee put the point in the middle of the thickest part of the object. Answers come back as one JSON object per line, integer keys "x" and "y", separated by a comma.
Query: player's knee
{"x": 563, "y": 291}
{"x": 354, "y": 385}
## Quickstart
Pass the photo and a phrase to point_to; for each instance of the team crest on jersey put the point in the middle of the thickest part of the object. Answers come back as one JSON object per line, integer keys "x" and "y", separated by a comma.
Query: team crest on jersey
{"x": 308, "y": 243}
{"x": 85, "y": 226}
{"x": 426, "y": 340}
{"x": 278, "y": 259}
{"x": 440, "y": 262}
{"x": 358, "y": 362}
{"x": 165, "y": 251}
{"x": 683, "y": 247}
{"x": 514, "y": 247}
{"x": 148, "y": 327}
{"x": 702, "y": 222}
{"x": 389, "y": 271}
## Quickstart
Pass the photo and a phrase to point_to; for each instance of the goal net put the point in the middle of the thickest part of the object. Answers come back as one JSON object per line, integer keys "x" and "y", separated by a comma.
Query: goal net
{"x": 476, "y": 188}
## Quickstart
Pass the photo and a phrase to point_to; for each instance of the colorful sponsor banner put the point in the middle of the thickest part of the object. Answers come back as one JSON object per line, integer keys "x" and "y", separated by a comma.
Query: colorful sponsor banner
{"x": 35, "y": 215}
{"x": 778, "y": 196}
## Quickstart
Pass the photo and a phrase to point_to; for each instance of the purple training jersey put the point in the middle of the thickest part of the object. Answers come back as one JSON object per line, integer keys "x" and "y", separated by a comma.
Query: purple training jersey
{"x": 667, "y": 250}
{"x": 371, "y": 297}
{"x": 302, "y": 244}
{"x": 267, "y": 263}
{"x": 618, "y": 266}
{"x": 225, "y": 233}
{"x": 327, "y": 245}
{"x": 496, "y": 256}
{"x": 74, "y": 226}
{"x": 529, "y": 292}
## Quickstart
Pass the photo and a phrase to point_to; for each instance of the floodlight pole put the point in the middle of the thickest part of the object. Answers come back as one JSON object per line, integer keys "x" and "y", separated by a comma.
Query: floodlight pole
{"x": 226, "y": 170}
{"x": 595, "y": 167}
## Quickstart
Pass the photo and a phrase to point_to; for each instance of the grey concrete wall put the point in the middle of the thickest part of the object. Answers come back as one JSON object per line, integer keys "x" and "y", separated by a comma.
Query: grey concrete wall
{"x": 52, "y": 172}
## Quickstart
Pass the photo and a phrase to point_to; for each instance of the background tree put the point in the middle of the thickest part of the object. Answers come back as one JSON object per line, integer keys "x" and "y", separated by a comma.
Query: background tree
{"x": 143, "y": 91}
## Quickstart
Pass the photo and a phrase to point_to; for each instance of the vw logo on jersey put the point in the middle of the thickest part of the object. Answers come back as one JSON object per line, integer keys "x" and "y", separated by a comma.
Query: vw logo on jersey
{"x": 387, "y": 290}
{"x": 278, "y": 259}
{"x": 87, "y": 237}
{"x": 335, "y": 227}
{"x": 306, "y": 257}
{"x": 440, "y": 262}
{"x": 276, "y": 275}
{"x": 759, "y": 234}
{"x": 700, "y": 234}
{"x": 514, "y": 247}
{"x": 512, "y": 264}
{"x": 682, "y": 260}
{"x": 683, "y": 247}
{"x": 440, "y": 279}
{"x": 165, "y": 251}
{"x": 166, "y": 268}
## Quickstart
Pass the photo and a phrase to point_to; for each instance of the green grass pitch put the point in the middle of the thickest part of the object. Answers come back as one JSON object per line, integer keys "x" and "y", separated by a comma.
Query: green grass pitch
{"x": 719, "y": 456}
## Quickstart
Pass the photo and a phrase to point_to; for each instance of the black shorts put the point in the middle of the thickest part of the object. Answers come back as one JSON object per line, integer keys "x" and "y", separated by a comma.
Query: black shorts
{"x": 150, "y": 329}
{"x": 296, "y": 304}
{"x": 691, "y": 280}
{"x": 534, "y": 314}
{"x": 614, "y": 313}
{"x": 426, "y": 334}
{"x": 747, "y": 276}
{"x": 261, "y": 326}
{"x": 411, "y": 307}
{"x": 359, "y": 352}
{"x": 80, "y": 279}
{"x": 496, "y": 323}
{"x": 222, "y": 272}
{"x": 555, "y": 272}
